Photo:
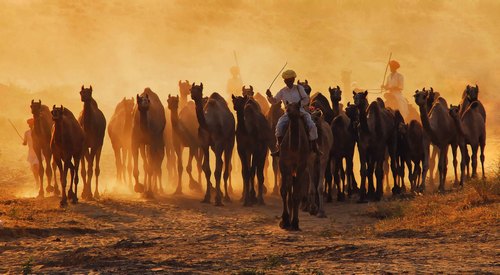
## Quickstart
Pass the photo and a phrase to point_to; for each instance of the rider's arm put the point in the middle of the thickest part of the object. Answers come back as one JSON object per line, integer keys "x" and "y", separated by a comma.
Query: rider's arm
{"x": 304, "y": 96}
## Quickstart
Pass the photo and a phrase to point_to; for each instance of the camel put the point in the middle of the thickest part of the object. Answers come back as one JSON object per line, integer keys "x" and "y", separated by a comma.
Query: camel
{"x": 317, "y": 165}
{"x": 119, "y": 131}
{"x": 440, "y": 128}
{"x": 376, "y": 133}
{"x": 41, "y": 135}
{"x": 272, "y": 116}
{"x": 147, "y": 135}
{"x": 254, "y": 136}
{"x": 217, "y": 131}
{"x": 306, "y": 86}
{"x": 472, "y": 130}
{"x": 184, "y": 90}
{"x": 67, "y": 143}
{"x": 185, "y": 134}
{"x": 416, "y": 152}
{"x": 258, "y": 97}
{"x": 93, "y": 123}
{"x": 294, "y": 155}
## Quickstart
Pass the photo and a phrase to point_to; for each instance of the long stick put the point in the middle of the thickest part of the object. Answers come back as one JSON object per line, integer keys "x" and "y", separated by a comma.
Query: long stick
{"x": 286, "y": 63}
{"x": 237, "y": 64}
{"x": 16, "y": 130}
{"x": 385, "y": 74}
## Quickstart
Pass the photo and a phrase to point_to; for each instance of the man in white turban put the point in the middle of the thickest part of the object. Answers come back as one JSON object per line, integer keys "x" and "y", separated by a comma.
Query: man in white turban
{"x": 394, "y": 85}
{"x": 292, "y": 94}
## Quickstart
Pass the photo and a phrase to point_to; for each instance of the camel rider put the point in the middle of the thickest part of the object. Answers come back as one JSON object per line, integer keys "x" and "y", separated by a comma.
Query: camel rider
{"x": 394, "y": 85}
{"x": 293, "y": 93}
{"x": 234, "y": 84}
{"x": 32, "y": 159}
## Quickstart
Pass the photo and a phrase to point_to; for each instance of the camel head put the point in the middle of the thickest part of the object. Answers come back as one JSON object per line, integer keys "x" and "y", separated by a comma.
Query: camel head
{"x": 239, "y": 102}
{"x": 184, "y": 87}
{"x": 454, "y": 111}
{"x": 306, "y": 86}
{"x": 360, "y": 99}
{"x": 143, "y": 102}
{"x": 402, "y": 129}
{"x": 57, "y": 113}
{"x": 352, "y": 111}
{"x": 197, "y": 92}
{"x": 247, "y": 91}
{"x": 335, "y": 94}
{"x": 293, "y": 110}
{"x": 36, "y": 107}
{"x": 86, "y": 93}
{"x": 472, "y": 93}
{"x": 421, "y": 97}
{"x": 173, "y": 102}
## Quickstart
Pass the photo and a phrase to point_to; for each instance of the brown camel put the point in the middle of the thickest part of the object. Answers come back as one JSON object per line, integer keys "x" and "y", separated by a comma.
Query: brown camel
{"x": 67, "y": 143}
{"x": 272, "y": 116}
{"x": 147, "y": 135}
{"x": 185, "y": 134}
{"x": 376, "y": 133}
{"x": 184, "y": 91}
{"x": 119, "y": 131}
{"x": 439, "y": 127}
{"x": 254, "y": 136}
{"x": 258, "y": 97}
{"x": 306, "y": 86}
{"x": 472, "y": 131}
{"x": 41, "y": 134}
{"x": 317, "y": 165}
{"x": 216, "y": 130}
{"x": 93, "y": 124}
{"x": 294, "y": 155}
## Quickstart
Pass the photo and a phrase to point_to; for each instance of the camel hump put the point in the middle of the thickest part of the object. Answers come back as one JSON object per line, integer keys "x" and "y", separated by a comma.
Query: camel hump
{"x": 218, "y": 97}
{"x": 398, "y": 117}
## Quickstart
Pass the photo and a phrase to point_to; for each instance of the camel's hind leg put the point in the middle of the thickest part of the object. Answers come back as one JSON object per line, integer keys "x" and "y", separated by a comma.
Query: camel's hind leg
{"x": 86, "y": 193}
{"x": 97, "y": 171}
{"x": 228, "y": 153}
{"x": 285, "y": 216}
{"x": 47, "y": 155}
{"x": 474, "y": 160}
{"x": 178, "y": 153}
{"x": 260, "y": 160}
{"x": 118, "y": 162}
{"x": 276, "y": 176}
{"x": 455, "y": 162}
{"x": 57, "y": 192}
{"x": 482, "y": 144}
{"x": 40, "y": 172}
{"x": 193, "y": 184}
{"x": 208, "y": 173}
{"x": 443, "y": 167}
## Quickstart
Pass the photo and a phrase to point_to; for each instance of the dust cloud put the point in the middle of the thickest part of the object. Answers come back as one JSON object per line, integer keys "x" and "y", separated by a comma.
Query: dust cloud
{"x": 51, "y": 48}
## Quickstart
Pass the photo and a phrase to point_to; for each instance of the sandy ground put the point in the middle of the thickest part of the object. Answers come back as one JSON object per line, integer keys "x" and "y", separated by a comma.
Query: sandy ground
{"x": 181, "y": 235}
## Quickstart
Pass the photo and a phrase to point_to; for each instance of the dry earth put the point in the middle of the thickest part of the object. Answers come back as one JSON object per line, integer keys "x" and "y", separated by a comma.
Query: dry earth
{"x": 180, "y": 235}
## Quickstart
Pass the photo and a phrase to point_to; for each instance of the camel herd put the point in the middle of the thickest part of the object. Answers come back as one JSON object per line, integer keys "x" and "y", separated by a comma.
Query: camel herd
{"x": 304, "y": 179}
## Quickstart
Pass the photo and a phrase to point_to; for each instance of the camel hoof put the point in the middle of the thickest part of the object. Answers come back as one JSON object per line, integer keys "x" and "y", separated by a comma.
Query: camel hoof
{"x": 341, "y": 197}
{"x": 139, "y": 188}
{"x": 321, "y": 214}
{"x": 49, "y": 188}
{"x": 361, "y": 201}
{"x": 227, "y": 199}
{"x": 260, "y": 201}
{"x": 96, "y": 195}
{"x": 178, "y": 191}
{"x": 195, "y": 186}
{"x": 71, "y": 195}
{"x": 206, "y": 199}
{"x": 148, "y": 195}
{"x": 295, "y": 227}
{"x": 40, "y": 195}
{"x": 275, "y": 192}
{"x": 284, "y": 224}
{"x": 74, "y": 200}
{"x": 57, "y": 192}
{"x": 63, "y": 203}
{"x": 218, "y": 203}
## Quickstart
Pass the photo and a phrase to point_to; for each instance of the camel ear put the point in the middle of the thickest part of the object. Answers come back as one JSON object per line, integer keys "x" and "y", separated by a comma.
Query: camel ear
{"x": 353, "y": 93}
{"x": 416, "y": 91}
{"x": 432, "y": 90}
{"x": 180, "y": 83}
{"x": 232, "y": 96}
{"x": 169, "y": 96}
{"x": 251, "y": 88}
{"x": 177, "y": 96}
{"x": 366, "y": 92}
{"x": 338, "y": 87}
{"x": 329, "y": 88}
{"x": 32, "y": 101}
{"x": 243, "y": 88}
{"x": 187, "y": 81}
{"x": 91, "y": 88}
{"x": 307, "y": 82}
{"x": 39, "y": 101}
{"x": 137, "y": 98}
{"x": 201, "y": 85}
{"x": 477, "y": 88}
{"x": 193, "y": 84}
{"x": 54, "y": 106}
{"x": 82, "y": 87}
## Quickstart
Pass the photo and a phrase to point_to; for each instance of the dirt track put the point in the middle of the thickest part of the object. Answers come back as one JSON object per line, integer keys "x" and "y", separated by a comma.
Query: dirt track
{"x": 179, "y": 234}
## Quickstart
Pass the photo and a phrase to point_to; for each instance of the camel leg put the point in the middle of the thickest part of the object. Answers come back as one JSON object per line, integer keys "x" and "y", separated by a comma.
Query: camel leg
{"x": 455, "y": 162}
{"x": 145, "y": 167}
{"x": 482, "y": 144}
{"x": 425, "y": 165}
{"x": 379, "y": 174}
{"x": 48, "y": 169}
{"x": 442, "y": 166}
{"x": 285, "y": 216}
{"x": 276, "y": 175}
{"x": 369, "y": 174}
{"x": 86, "y": 193}
{"x": 467, "y": 162}
{"x": 40, "y": 172}
{"x": 64, "y": 200}
{"x": 260, "y": 158}
{"x": 474, "y": 160}
{"x": 76, "y": 166}
{"x": 199, "y": 161}
{"x": 118, "y": 162}
{"x": 228, "y": 153}
{"x": 350, "y": 176}
{"x": 97, "y": 171}
{"x": 208, "y": 173}
{"x": 90, "y": 171}
{"x": 432, "y": 164}
{"x": 62, "y": 179}
{"x": 296, "y": 197}
{"x": 266, "y": 173}
{"x": 71, "y": 195}
{"x": 320, "y": 188}
{"x": 253, "y": 195}
{"x": 56, "y": 185}
{"x": 245, "y": 174}
{"x": 193, "y": 184}
{"x": 138, "y": 187}
{"x": 362, "y": 170}
{"x": 178, "y": 153}
{"x": 336, "y": 177}
{"x": 386, "y": 176}
{"x": 328, "y": 176}
{"x": 217, "y": 174}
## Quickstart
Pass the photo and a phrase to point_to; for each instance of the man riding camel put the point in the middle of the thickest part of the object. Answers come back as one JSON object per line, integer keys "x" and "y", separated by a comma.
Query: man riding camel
{"x": 394, "y": 85}
{"x": 292, "y": 94}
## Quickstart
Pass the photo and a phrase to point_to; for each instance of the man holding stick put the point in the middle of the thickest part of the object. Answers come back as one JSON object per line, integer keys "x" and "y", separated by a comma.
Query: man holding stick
{"x": 394, "y": 86}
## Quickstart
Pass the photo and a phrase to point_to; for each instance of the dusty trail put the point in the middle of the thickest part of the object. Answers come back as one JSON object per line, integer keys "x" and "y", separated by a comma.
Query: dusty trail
{"x": 179, "y": 234}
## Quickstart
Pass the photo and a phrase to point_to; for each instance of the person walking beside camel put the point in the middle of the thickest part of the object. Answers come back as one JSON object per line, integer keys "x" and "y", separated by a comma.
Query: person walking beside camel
{"x": 32, "y": 160}
{"x": 292, "y": 94}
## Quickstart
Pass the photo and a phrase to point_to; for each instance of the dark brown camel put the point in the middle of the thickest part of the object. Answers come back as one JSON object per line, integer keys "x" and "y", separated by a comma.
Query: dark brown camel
{"x": 472, "y": 131}
{"x": 41, "y": 134}
{"x": 216, "y": 130}
{"x": 259, "y": 98}
{"x": 120, "y": 131}
{"x": 416, "y": 153}
{"x": 93, "y": 123}
{"x": 439, "y": 127}
{"x": 294, "y": 155}
{"x": 254, "y": 136}
{"x": 67, "y": 144}
{"x": 275, "y": 112}
{"x": 376, "y": 133}
{"x": 185, "y": 134}
{"x": 305, "y": 85}
{"x": 184, "y": 91}
{"x": 147, "y": 135}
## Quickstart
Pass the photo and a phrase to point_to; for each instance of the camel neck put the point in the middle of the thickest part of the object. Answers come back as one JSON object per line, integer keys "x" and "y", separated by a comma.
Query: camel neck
{"x": 200, "y": 114}
{"x": 458, "y": 125}
{"x": 87, "y": 114}
{"x": 362, "y": 119}
{"x": 144, "y": 120}
{"x": 335, "y": 108}
{"x": 174, "y": 117}
{"x": 424, "y": 117}
{"x": 294, "y": 134}
{"x": 240, "y": 118}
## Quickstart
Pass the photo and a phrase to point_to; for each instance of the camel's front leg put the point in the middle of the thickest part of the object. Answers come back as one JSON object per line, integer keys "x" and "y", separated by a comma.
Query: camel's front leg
{"x": 208, "y": 173}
